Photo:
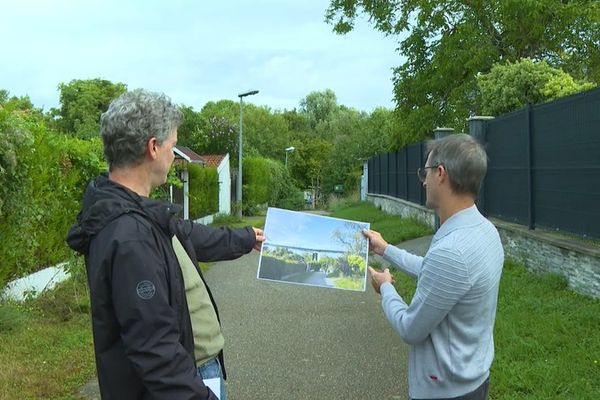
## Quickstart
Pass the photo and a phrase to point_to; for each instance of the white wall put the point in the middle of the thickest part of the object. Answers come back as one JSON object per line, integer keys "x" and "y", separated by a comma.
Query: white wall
{"x": 224, "y": 186}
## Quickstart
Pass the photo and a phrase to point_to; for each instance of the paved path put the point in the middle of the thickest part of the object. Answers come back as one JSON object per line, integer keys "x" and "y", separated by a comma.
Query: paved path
{"x": 287, "y": 341}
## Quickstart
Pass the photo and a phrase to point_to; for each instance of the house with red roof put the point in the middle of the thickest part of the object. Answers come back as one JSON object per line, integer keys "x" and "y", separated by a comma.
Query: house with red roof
{"x": 185, "y": 155}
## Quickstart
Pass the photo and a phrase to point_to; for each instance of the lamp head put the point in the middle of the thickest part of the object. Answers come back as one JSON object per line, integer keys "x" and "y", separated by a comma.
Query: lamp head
{"x": 248, "y": 93}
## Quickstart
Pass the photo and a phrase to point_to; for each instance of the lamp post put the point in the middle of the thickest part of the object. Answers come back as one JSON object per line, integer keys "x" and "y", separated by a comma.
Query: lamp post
{"x": 239, "y": 177}
{"x": 288, "y": 150}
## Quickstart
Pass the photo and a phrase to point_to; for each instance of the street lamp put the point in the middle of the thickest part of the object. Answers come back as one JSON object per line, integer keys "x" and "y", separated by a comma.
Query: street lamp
{"x": 288, "y": 150}
{"x": 239, "y": 178}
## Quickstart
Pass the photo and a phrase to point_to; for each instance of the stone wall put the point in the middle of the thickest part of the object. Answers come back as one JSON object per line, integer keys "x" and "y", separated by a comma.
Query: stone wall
{"x": 540, "y": 251}
{"x": 405, "y": 209}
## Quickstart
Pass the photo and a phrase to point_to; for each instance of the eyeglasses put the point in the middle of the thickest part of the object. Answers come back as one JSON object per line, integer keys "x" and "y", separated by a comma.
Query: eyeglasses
{"x": 422, "y": 172}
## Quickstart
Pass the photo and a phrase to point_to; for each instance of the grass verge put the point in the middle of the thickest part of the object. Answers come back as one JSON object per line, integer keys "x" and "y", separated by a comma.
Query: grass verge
{"x": 547, "y": 339}
{"x": 46, "y": 350}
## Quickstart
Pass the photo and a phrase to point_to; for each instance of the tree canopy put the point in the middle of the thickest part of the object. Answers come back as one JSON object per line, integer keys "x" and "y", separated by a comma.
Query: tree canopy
{"x": 319, "y": 106}
{"x": 330, "y": 140}
{"x": 446, "y": 43}
{"x": 508, "y": 87}
{"x": 82, "y": 102}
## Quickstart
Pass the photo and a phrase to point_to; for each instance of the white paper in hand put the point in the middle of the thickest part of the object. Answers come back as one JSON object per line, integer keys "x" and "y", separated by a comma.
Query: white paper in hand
{"x": 214, "y": 384}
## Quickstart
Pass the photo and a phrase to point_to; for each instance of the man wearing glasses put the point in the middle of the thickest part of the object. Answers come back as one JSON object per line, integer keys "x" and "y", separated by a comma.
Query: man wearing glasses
{"x": 449, "y": 322}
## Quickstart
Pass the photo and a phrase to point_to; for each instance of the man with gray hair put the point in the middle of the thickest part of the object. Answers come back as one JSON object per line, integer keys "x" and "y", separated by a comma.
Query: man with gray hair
{"x": 450, "y": 321}
{"x": 157, "y": 333}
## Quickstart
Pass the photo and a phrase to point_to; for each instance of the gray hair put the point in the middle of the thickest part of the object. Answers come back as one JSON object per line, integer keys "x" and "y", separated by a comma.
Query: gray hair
{"x": 131, "y": 120}
{"x": 464, "y": 159}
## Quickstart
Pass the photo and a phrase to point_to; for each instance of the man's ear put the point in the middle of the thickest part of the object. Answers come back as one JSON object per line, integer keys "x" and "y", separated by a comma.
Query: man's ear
{"x": 442, "y": 173}
{"x": 151, "y": 146}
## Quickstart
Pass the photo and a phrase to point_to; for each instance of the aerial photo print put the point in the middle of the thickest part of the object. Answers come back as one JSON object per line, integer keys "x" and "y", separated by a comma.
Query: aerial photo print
{"x": 314, "y": 250}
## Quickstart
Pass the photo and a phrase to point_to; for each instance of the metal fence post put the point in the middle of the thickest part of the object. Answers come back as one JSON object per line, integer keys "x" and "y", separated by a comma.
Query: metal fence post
{"x": 530, "y": 178}
{"x": 477, "y": 130}
{"x": 439, "y": 133}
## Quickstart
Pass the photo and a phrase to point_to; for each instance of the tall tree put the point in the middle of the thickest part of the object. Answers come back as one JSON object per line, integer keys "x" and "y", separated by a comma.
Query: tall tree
{"x": 378, "y": 132}
{"x": 319, "y": 106}
{"x": 307, "y": 163}
{"x": 448, "y": 42}
{"x": 297, "y": 121}
{"x": 3, "y": 96}
{"x": 220, "y": 137}
{"x": 12, "y": 103}
{"x": 82, "y": 103}
{"x": 266, "y": 132}
{"x": 192, "y": 131}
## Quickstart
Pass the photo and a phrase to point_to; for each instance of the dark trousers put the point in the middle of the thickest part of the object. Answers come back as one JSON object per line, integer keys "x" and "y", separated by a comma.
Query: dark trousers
{"x": 481, "y": 393}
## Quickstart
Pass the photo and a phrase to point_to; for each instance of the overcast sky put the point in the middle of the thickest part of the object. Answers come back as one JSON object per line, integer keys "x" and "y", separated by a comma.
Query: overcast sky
{"x": 193, "y": 50}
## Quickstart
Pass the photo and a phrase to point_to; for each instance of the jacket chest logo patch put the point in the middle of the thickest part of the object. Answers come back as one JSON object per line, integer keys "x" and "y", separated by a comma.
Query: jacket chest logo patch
{"x": 145, "y": 290}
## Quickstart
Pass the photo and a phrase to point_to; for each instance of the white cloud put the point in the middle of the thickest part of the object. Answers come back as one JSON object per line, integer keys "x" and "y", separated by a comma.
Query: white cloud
{"x": 193, "y": 51}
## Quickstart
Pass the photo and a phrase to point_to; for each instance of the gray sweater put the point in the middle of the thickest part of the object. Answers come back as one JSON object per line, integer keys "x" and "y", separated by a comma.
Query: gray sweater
{"x": 450, "y": 320}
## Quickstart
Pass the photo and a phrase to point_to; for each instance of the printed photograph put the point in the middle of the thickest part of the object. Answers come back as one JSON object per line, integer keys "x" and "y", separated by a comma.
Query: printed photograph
{"x": 314, "y": 250}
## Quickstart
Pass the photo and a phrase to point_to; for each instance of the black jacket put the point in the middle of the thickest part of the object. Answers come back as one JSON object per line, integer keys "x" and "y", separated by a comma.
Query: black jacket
{"x": 142, "y": 331}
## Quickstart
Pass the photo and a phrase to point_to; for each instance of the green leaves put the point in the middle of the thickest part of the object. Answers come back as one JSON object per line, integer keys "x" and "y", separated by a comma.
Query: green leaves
{"x": 508, "y": 87}
{"x": 204, "y": 190}
{"x": 41, "y": 195}
{"x": 268, "y": 182}
{"x": 448, "y": 43}
{"x": 82, "y": 103}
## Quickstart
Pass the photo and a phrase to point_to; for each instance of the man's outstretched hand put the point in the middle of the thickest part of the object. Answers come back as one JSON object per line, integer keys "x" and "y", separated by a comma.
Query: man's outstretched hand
{"x": 260, "y": 238}
{"x": 379, "y": 278}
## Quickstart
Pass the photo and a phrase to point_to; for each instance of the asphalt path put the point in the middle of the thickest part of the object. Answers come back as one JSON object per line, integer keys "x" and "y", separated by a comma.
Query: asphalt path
{"x": 290, "y": 341}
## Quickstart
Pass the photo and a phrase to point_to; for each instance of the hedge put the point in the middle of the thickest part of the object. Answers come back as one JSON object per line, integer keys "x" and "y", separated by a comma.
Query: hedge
{"x": 268, "y": 182}
{"x": 42, "y": 194}
{"x": 204, "y": 190}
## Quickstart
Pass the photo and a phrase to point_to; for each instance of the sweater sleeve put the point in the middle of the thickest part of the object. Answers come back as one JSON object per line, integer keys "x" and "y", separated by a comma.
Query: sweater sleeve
{"x": 403, "y": 260}
{"x": 442, "y": 283}
{"x": 148, "y": 322}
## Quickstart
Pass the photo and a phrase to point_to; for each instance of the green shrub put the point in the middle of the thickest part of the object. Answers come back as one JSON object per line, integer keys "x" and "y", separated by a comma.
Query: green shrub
{"x": 16, "y": 136}
{"x": 204, "y": 190}
{"x": 43, "y": 197}
{"x": 268, "y": 182}
{"x": 255, "y": 183}
{"x": 292, "y": 200}
{"x": 226, "y": 219}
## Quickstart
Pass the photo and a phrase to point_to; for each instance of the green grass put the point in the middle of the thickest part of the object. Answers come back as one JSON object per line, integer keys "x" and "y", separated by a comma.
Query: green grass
{"x": 46, "y": 350}
{"x": 547, "y": 337}
{"x": 392, "y": 227}
{"x": 235, "y": 222}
